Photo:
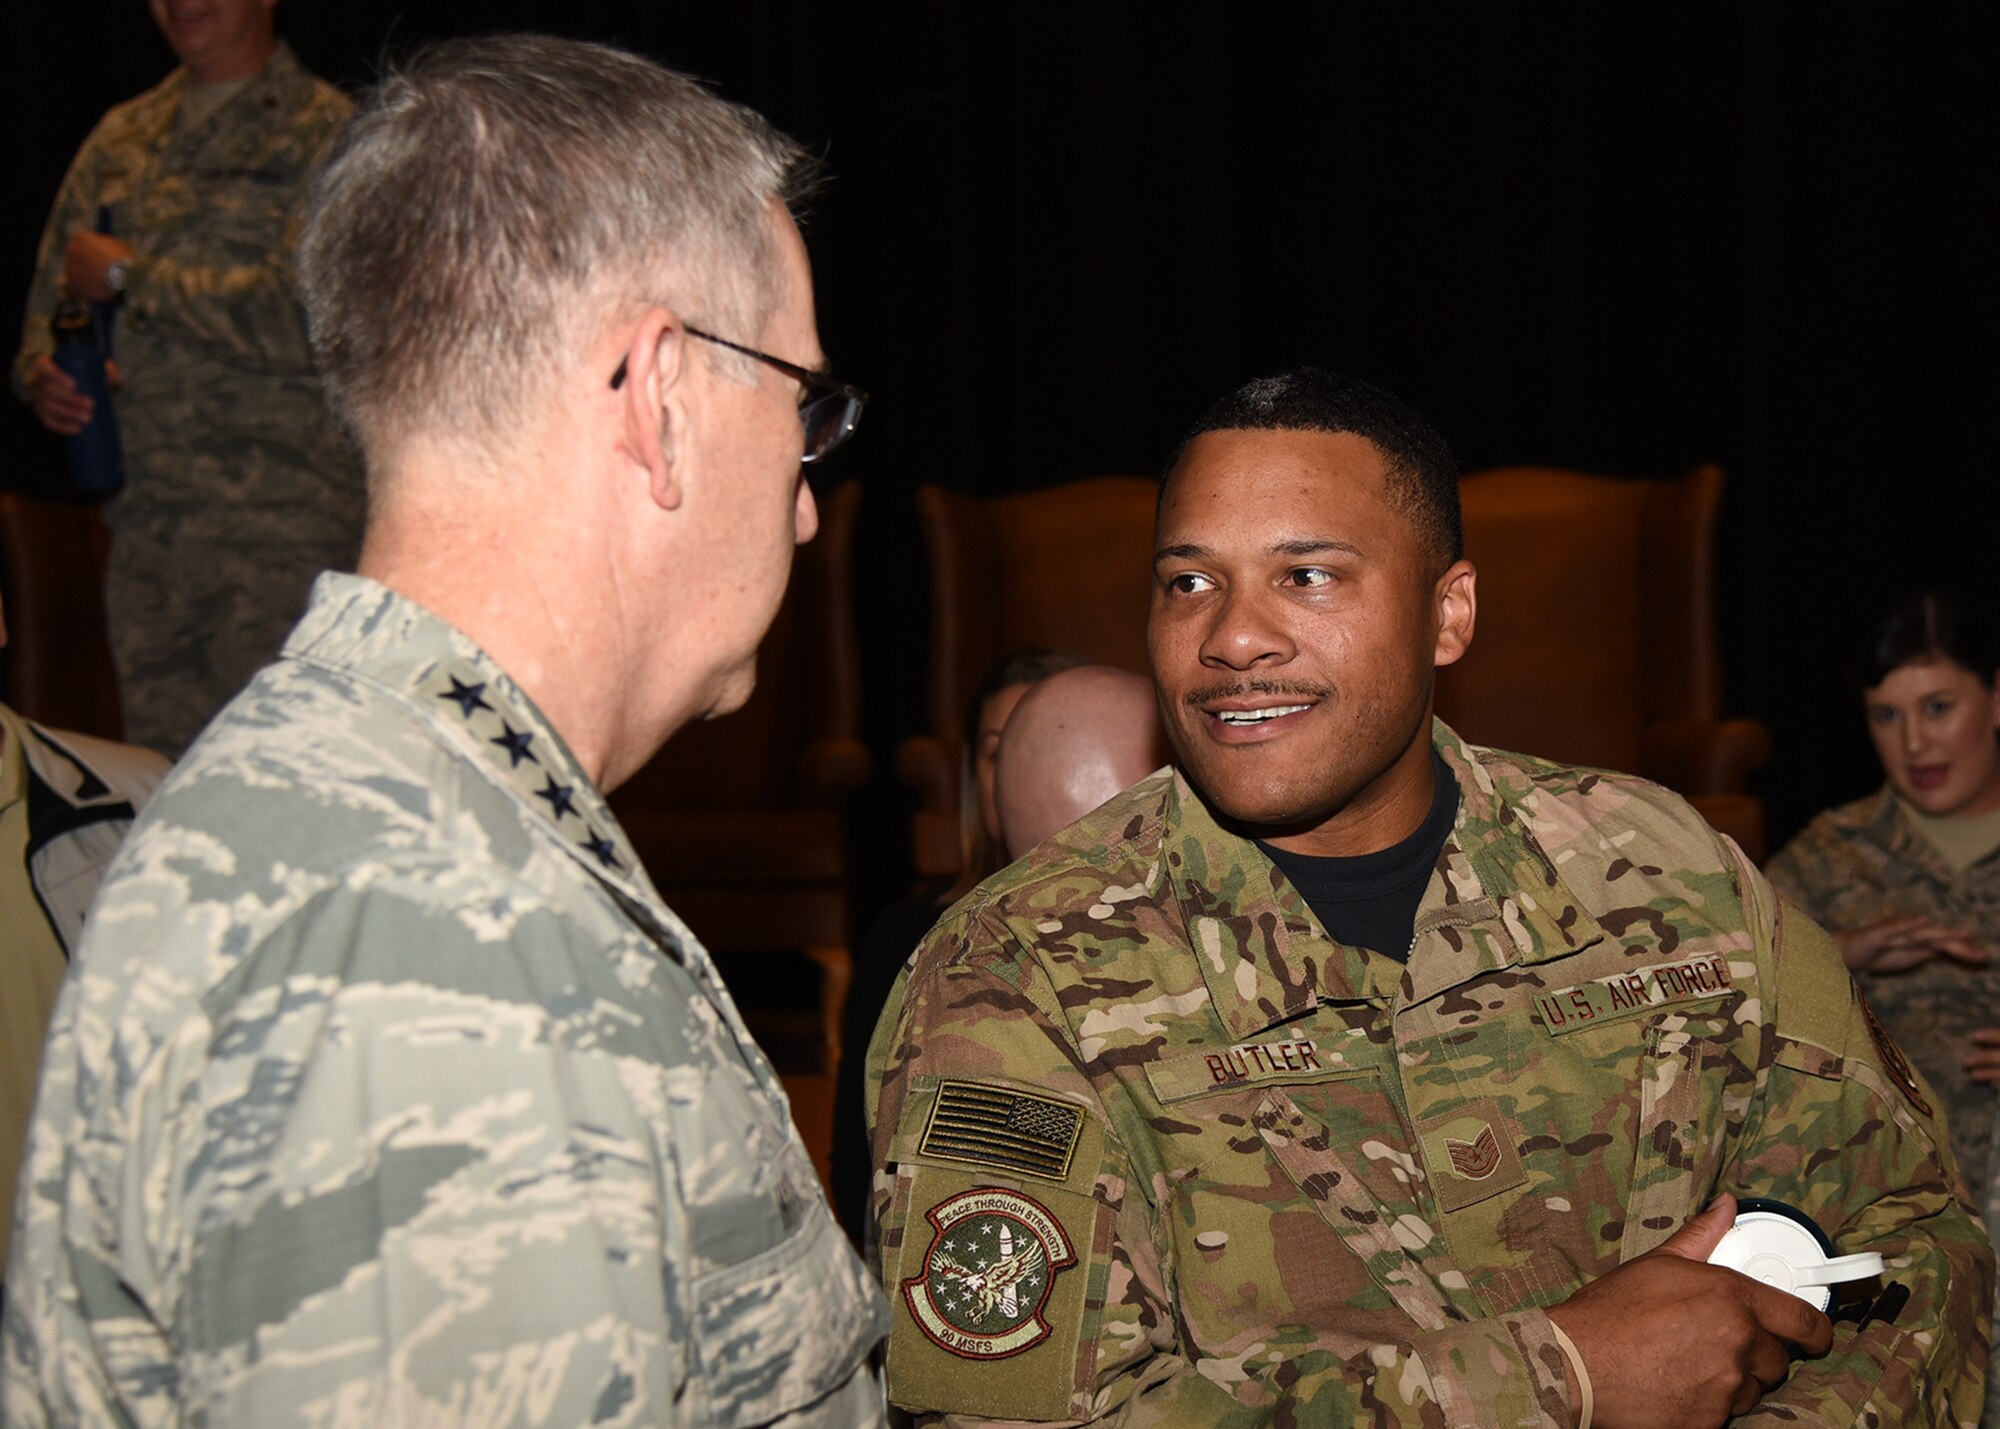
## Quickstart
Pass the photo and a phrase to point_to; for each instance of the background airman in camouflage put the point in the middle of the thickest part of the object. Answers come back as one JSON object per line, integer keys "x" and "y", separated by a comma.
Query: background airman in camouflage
{"x": 1252, "y": 1174}
{"x": 239, "y": 489}
{"x": 1907, "y": 880}
{"x": 1855, "y": 866}
{"x": 385, "y": 1089}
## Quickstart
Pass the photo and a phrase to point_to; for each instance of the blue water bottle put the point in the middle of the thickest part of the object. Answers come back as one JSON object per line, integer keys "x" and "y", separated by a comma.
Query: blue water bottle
{"x": 96, "y": 463}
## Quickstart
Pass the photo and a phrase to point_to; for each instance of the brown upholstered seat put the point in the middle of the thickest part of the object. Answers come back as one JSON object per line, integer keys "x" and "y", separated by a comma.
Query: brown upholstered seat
{"x": 1069, "y": 566}
{"x": 738, "y": 820}
{"x": 1597, "y": 639}
{"x": 58, "y": 656}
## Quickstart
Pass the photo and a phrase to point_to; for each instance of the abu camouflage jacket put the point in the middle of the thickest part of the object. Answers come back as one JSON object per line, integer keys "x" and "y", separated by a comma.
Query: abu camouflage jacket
{"x": 1861, "y": 863}
{"x": 239, "y": 488}
{"x": 1155, "y": 1150}
{"x": 385, "y": 1090}
{"x": 221, "y": 402}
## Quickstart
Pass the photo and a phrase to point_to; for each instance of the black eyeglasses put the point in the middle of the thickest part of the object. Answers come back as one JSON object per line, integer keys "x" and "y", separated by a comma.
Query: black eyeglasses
{"x": 828, "y": 418}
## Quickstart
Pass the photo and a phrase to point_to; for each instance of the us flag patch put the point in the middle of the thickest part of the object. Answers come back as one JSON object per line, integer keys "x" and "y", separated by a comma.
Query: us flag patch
{"x": 985, "y": 1125}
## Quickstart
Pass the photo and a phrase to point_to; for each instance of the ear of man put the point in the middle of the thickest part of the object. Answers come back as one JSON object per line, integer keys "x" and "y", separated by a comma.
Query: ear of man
{"x": 656, "y": 405}
{"x": 1458, "y": 611}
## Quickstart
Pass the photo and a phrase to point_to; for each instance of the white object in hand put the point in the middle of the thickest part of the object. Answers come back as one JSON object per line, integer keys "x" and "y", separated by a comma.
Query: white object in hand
{"x": 1781, "y": 1252}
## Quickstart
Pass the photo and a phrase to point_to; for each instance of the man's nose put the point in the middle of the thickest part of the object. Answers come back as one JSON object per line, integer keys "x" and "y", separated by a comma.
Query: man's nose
{"x": 1246, "y": 632}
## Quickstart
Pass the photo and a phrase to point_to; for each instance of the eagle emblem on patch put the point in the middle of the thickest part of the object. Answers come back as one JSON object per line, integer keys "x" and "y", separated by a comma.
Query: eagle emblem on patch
{"x": 993, "y": 1256}
{"x": 1893, "y": 1061}
{"x": 1476, "y": 1159}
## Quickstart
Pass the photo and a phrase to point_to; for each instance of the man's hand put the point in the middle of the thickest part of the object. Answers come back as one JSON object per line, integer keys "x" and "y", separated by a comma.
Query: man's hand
{"x": 53, "y": 395}
{"x": 86, "y": 263}
{"x": 1906, "y": 941}
{"x": 1672, "y": 1342}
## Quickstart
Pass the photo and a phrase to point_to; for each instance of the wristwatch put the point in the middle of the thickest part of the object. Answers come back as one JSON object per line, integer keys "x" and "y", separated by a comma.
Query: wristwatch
{"x": 118, "y": 274}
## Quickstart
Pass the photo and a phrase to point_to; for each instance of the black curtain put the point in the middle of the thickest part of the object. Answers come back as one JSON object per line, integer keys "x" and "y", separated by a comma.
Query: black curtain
{"x": 1625, "y": 239}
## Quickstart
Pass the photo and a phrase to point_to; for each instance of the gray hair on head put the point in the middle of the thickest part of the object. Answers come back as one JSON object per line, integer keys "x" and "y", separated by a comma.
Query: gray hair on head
{"x": 494, "y": 201}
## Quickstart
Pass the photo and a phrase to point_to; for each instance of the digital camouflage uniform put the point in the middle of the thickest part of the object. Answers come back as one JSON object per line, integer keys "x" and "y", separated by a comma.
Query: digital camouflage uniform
{"x": 239, "y": 489}
{"x": 1249, "y": 1176}
{"x": 386, "y": 1090}
{"x": 66, "y": 802}
{"x": 1861, "y": 863}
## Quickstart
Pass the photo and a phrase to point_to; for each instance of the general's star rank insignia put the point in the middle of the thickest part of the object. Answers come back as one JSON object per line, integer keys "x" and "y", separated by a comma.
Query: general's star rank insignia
{"x": 986, "y": 1278}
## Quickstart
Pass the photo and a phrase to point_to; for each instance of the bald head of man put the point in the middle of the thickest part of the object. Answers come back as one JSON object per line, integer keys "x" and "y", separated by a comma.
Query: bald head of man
{"x": 1075, "y": 739}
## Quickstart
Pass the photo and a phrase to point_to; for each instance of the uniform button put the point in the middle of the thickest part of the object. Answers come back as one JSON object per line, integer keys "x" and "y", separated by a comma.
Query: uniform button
{"x": 1211, "y": 1240}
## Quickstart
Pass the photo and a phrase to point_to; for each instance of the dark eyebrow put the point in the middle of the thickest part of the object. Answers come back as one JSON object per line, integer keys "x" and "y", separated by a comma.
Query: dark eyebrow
{"x": 1313, "y": 546}
{"x": 1298, "y": 546}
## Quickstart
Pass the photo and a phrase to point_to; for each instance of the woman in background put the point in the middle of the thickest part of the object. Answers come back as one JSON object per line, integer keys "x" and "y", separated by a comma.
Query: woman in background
{"x": 1907, "y": 880}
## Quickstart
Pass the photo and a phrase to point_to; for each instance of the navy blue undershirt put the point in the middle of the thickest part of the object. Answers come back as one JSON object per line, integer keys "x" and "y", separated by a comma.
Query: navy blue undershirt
{"x": 1370, "y": 901}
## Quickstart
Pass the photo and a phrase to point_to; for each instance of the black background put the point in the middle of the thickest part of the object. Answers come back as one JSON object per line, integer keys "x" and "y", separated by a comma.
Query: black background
{"x": 1619, "y": 238}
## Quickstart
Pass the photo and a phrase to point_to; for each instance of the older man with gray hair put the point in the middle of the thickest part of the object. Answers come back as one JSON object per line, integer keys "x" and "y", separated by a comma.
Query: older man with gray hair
{"x": 385, "y": 1089}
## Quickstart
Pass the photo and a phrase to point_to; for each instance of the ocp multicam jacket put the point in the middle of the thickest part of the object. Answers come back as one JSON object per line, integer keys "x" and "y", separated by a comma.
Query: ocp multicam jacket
{"x": 1157, "y": 1151}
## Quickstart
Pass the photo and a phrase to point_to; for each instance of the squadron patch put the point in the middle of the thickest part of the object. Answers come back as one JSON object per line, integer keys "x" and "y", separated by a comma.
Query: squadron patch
{"x": 987, "y": 1125}
{"x": 986, "y": 1278}
{"x": 1892, "y": 1057}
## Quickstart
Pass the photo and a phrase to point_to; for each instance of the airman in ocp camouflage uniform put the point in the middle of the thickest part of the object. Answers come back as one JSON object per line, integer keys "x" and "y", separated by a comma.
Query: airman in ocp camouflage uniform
{"x": 1297, "y": 1179}
{"x": 1155, "y": 1148}
{"x": 239, "y": 487}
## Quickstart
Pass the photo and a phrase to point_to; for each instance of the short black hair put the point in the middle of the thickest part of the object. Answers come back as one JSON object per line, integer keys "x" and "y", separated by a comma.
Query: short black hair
{"x": 1931, "y": 625}
{"x": 1422, "y": 475}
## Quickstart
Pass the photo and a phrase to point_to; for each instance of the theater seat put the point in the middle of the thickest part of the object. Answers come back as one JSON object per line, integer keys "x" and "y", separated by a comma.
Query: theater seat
{"x": 1068, "y": 566}
{"x": 1597, "y": 639}
{"x": 58, "y": 658}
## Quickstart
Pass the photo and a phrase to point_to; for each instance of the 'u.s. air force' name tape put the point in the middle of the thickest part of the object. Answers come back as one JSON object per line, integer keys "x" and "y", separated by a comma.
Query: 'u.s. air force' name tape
{"x": 1585, "y": 1004}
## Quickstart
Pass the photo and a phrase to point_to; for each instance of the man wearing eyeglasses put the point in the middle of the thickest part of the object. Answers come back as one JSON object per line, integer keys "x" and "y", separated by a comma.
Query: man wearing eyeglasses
{"x": 385, "y": 1088}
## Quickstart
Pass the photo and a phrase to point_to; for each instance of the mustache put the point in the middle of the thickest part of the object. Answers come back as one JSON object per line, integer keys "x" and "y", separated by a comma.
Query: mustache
{"x": 1237, "y": 688}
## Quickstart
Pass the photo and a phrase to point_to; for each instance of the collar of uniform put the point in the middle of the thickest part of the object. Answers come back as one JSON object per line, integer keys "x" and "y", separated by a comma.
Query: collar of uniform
{"x": 367, "y": 630}
{"x": 282, "y": 76}
{"x": 1493, "y": 868}
{"x": 1262, "y": 954}
{"x": 1887, "y": 829}
{"x": 280, "y": 85}
{"x": 280, "y": 72}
